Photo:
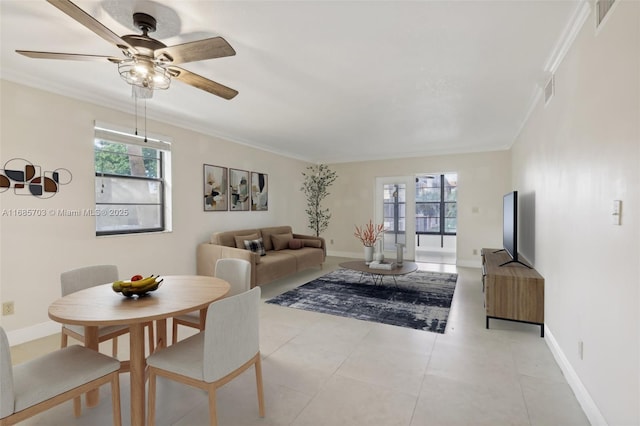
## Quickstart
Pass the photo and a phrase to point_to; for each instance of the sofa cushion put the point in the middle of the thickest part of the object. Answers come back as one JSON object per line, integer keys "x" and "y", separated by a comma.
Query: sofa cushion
{"x": 295, "y": 244}
{"x": 306, "y": 257}
{"x": 227, "y": 238}
{"x": 269, "y": 231}
{"x": 312, "y": 243}
{"x": 255, "y": 246}
{"x": 240, "y": 239}
{"x": 276, "y": 264}
{"x": 281, "y": 241}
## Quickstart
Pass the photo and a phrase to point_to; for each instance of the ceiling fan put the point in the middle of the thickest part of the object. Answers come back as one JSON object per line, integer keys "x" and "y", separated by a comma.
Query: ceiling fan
{"x": 148, "y": 63}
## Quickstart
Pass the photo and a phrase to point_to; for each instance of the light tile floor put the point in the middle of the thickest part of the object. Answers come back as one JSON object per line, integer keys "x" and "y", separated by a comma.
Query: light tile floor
{"x": 326, "y": 370}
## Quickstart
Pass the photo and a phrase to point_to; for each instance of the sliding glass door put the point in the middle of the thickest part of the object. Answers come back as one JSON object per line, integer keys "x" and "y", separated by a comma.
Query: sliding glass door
{"x": 436, "y": 217}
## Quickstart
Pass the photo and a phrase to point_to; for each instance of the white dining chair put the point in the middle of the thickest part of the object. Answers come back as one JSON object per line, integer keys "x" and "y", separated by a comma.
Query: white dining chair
{"x": 237, "y": 272}
{"x": 90, "y": 276}
{"x": 37, "y": 385}
{"x": 228, "y": 346}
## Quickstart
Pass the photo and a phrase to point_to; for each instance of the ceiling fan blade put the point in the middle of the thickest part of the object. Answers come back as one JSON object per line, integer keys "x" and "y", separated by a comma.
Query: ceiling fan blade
{"x": 67, "y": 56}
{"x": 202, "y": 83}
{"x": 210, "y": 48}
{"x": 90, "y": 22}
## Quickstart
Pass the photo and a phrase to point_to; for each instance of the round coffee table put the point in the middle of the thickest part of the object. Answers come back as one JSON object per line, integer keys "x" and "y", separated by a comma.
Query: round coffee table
{"x": 378, "y": 274}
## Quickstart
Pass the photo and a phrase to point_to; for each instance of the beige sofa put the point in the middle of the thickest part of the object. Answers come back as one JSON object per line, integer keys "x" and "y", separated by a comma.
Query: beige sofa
{"x": 282, "y": 255}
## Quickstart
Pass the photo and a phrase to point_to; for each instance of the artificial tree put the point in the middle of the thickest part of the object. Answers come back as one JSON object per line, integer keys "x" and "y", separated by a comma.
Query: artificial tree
{"x": 317, "y": 179}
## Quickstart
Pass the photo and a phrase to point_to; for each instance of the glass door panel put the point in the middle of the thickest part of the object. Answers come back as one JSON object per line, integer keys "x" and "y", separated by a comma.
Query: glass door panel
{"x": 395, "y": 207}
{"x": 395, "y": 201}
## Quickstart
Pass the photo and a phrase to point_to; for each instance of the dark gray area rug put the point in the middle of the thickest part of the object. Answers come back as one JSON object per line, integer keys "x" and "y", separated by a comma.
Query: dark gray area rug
{"x": 421, "y": 300}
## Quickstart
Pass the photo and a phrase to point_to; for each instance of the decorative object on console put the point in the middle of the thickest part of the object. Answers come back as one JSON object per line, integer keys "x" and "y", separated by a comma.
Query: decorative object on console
{"x": 215, "y": 188}
{"x": 259, "y": 192}
{"x": 239, "y": 186}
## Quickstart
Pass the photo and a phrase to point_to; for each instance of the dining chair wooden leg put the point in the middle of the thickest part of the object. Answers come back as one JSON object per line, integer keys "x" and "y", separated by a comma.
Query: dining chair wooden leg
{"x": 115, "y": 400}
{"x": 174, "y": 332}
{"x": 213, "y": 416}
{"x": 64, "y": 339}
{"x": 258, "y": 368}
{"x": 151, "y": 338}
{"x": 77, "y": 406}
{"x": 151, "y": 399}
{"x": 114, "y": 347}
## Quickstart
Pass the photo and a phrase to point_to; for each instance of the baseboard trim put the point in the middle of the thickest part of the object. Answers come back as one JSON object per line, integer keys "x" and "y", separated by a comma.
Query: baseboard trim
{"x": 345, "y": 254}
{"x": 582, "y": 395}
{"x": 33, "y": 332}
{"x": 469, "y": 263}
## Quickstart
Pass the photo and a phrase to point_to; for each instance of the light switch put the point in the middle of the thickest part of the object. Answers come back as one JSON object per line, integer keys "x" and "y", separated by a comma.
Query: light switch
{"x": 617, "y": 205}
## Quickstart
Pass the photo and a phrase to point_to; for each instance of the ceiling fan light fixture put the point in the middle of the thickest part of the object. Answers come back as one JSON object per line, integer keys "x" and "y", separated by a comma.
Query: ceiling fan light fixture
{"x": 148, "y": 64}
{"x": 145, "y": 74}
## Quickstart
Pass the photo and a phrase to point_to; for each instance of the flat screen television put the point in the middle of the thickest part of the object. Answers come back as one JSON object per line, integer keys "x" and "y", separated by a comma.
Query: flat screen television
{"x": 510, "y": 227}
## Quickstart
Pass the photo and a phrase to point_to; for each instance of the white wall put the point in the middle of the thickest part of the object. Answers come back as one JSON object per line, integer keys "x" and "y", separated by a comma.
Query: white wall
{"x": 57, "y": 132}
{"x": 483, "y": 178}
{"x": 575, "y": 156}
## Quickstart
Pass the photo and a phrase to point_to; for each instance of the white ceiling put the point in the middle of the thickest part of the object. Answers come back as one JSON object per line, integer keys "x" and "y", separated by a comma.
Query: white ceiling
{"x": 323, "y": 81}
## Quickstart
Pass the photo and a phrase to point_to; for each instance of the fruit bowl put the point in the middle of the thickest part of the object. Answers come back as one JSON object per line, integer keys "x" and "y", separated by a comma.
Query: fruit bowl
{"x": 140, "y": 287}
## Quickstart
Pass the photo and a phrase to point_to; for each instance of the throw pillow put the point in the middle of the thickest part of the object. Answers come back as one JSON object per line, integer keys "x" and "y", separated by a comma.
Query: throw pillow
{"x": 295, "y": 244}
{"x": 255, "y": 246}
{"x": 312, "y": 243}
{"x": 240, "y": 239}
{"x": 281, "y": 241}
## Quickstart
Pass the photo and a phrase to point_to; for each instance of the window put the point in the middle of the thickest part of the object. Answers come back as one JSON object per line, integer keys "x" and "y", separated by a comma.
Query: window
{"x": 436, "y": 204}
{"x": 132, "y": 182}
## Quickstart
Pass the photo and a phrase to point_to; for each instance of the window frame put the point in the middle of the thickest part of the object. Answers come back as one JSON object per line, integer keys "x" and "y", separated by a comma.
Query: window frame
{"x": 442, "y": 211}
{"x": 112, "y": 134}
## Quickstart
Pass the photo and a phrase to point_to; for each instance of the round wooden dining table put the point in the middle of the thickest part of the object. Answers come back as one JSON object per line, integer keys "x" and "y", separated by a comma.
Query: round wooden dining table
{"x": 101, "y": 306}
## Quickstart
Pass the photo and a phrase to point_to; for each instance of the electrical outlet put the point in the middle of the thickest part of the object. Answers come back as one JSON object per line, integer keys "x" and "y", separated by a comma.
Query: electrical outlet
{"x": 475, "y": 252}
{"x": 8, "y": 308}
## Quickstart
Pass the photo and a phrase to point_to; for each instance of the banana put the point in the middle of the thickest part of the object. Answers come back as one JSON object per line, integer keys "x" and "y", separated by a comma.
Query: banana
{"x": 143, "y": 282}
{"x": 151, "y": 287}
{"x": 131, "y": 288}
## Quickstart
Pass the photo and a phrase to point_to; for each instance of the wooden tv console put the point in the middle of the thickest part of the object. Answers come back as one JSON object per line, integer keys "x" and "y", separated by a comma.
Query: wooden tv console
{"x": 511, "y": 292}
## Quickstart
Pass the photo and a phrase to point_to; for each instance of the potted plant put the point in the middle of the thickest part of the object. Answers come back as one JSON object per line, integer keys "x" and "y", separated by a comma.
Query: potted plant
{"x": 368, "y": 235}
{"x": 317, "y": 180}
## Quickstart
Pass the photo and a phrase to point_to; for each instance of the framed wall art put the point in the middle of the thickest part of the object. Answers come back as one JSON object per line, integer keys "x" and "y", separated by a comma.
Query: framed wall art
{"x": 238, "y": 190}
{"x": 216, "y": 188}
{"x": 259, "y": 191}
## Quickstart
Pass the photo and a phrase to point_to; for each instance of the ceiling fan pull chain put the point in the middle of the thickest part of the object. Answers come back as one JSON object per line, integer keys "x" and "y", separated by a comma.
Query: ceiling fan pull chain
{"x": 145, "y": 120}
{"x": 135, "y": 103}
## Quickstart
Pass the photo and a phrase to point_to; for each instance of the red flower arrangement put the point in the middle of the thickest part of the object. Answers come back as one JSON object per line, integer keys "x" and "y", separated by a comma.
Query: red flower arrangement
{"x": 369, "y": 233}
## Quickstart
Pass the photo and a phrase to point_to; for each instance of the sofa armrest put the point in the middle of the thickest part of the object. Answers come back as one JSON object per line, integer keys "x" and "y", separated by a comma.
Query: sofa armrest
{"x": 207, "y": 255}
{"x": 312, "y": 237}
